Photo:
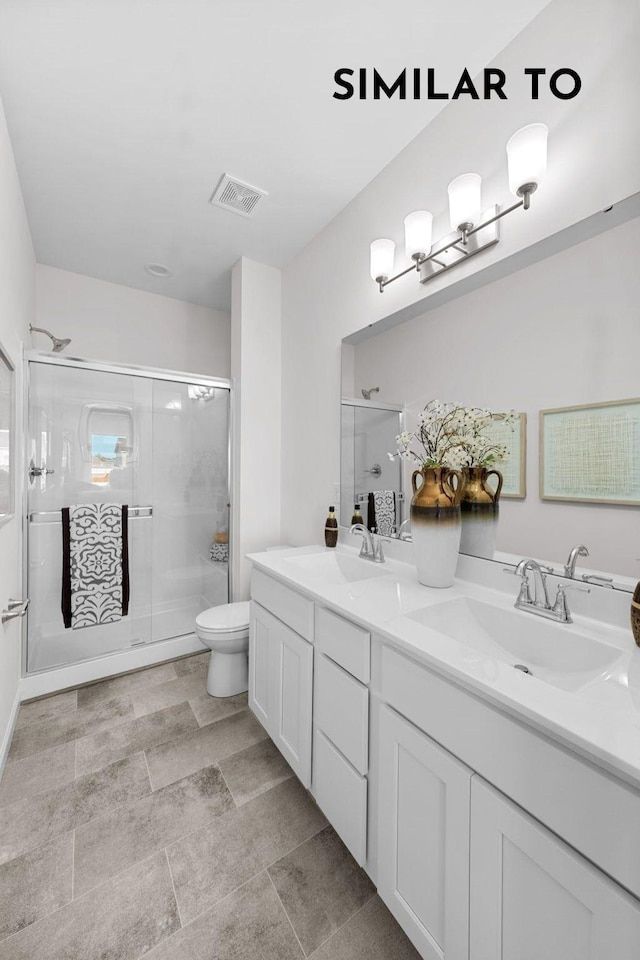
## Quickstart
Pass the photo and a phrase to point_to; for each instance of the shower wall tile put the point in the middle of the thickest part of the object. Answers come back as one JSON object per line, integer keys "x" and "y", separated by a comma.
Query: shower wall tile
{"x": 122, "y": 920}
{"x": 70, "y": 726}
{"x": 106, "y": 746}
{"x": 47, "y": 708}
{"x": 28, "y": 823}
{"x": 38, "y": 773}
{"x": 150, "y": 699}
{"x": 106, "y": 689}
{"x": 200, "y": 748}
{"x": 112, "y": 843}
{"x": 35, "y": 884}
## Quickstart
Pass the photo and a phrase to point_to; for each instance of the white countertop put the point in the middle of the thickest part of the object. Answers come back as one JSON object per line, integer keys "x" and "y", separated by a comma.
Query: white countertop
{"x": 600, "y": 720}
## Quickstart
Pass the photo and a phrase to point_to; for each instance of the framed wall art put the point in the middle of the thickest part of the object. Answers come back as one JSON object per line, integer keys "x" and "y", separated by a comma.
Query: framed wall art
{"x": 591, "y": 453}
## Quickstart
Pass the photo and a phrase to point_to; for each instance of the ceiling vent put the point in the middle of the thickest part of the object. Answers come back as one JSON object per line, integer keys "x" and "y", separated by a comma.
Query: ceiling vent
{"x": 237, "y": 196}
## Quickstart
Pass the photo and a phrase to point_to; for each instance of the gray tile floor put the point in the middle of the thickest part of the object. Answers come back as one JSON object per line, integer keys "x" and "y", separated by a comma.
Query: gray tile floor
{"x": 140, "y": 817}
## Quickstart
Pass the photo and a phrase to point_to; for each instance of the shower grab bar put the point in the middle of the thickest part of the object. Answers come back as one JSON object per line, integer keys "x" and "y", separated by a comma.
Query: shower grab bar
{"x": 135, "y": 513}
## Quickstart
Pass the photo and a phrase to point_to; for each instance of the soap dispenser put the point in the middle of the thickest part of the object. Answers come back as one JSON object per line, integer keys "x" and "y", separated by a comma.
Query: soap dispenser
{"x": 331, "y": 529}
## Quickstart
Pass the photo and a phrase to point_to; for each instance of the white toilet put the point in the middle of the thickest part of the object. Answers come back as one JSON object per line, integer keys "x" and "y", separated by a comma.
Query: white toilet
{"x": 225, "y": 630}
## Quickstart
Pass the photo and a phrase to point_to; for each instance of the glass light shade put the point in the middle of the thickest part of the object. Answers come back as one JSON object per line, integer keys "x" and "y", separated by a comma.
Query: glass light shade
{"x": 465, "y": 203}
{"x": 527, "y": 156}
{"x": 382, "y": 253}
{"x": 418, "y": 233}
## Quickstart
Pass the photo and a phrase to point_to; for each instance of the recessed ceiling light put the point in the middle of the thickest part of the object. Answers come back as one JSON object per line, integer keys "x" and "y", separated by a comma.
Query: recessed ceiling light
{"x": 157, "y": 270}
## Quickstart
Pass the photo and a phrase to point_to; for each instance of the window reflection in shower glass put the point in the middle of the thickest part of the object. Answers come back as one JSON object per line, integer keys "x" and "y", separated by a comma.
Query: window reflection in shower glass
{"x": 107, "y": 453}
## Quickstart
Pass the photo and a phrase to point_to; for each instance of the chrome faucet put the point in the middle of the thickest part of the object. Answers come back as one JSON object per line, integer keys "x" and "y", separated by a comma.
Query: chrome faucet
{"x": 570, "y": 566}
{"x": 540, "y": 592}
{"x": 371, "y": 548}
{"x": 540, "y": 604}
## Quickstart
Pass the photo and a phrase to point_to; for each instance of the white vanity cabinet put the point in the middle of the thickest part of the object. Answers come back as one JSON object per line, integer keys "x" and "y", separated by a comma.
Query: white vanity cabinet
{"x": 423, "y": 843}
{"x": 486, "y": 837}
{"x": 532, "y": 896}
{"x": 281, "y": 684}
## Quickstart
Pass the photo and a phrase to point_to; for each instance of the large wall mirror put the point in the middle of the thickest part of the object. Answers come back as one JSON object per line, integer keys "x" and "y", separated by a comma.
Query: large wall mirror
{"x": 558, "y": 343}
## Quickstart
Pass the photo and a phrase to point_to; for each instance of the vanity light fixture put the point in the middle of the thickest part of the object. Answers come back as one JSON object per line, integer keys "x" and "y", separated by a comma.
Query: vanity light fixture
{"x": 474, "y": 230}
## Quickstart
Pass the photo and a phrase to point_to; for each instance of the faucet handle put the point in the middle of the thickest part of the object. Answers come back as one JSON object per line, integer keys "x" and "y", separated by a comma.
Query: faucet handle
{"x": 524, "y": 597}
{"x": 560, "y": 607}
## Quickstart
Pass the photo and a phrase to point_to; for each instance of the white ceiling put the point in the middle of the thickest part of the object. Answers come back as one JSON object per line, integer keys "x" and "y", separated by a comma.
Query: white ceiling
{"x": 123, "y": 115}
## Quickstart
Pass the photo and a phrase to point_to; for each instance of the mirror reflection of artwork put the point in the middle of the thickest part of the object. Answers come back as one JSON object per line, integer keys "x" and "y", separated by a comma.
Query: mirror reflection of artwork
{"x": 514, "y": 467}
{"x": 591, "y": 453}
{"x": 6, "y": 436}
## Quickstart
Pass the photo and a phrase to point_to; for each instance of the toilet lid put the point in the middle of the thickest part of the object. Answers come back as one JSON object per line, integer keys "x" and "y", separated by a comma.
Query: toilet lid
{"x": 227, "y": 618}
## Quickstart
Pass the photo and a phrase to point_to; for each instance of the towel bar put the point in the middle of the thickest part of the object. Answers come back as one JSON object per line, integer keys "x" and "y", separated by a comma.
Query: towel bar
{"x": 53, "y": 516}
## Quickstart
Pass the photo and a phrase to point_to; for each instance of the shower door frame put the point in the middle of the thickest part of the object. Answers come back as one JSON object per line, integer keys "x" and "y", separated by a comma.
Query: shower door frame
{"x": 151, "y": 373}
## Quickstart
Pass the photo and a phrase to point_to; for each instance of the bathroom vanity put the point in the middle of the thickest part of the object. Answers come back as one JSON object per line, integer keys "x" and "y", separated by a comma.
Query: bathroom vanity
{"x": 497, "y": 812}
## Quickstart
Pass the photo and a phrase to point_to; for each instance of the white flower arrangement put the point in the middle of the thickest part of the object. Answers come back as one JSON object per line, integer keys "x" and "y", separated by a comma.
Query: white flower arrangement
{"x": 452, "y": 435}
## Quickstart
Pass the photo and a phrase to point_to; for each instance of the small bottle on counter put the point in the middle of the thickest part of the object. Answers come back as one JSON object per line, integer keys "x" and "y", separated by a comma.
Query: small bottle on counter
{"x": 357, "y": 516}
{"x": 635, "y": 615}
{"x": 331, "y": 529}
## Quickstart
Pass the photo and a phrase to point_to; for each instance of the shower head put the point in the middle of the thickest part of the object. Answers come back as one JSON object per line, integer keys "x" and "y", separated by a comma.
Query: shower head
{"x": 367, "y": 393}
{"x": 58, "y": 345}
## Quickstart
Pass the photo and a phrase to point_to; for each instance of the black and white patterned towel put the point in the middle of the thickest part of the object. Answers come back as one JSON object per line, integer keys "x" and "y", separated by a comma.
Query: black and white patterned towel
{"x": 95, "y": 564}
{"x": 382, "y": 511}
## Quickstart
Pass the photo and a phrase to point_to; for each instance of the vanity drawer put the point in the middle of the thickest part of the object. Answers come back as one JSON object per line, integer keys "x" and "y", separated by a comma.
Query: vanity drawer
{"x": 344, "y": 642}
{"x": 341, "y": 711}
{"x": 341, "y": 794}
{"x": 286, "y": 604}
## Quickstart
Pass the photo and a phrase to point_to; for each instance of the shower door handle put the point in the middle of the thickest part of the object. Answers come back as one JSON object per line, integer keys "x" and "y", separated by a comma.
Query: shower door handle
{"x": 15, "y": 609}
{"x": 38, "y": 471}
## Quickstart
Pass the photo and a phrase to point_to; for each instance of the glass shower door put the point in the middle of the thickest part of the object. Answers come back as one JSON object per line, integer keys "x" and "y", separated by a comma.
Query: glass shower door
{"x": 90, "y": 441}
{"x": 190, "y": 504}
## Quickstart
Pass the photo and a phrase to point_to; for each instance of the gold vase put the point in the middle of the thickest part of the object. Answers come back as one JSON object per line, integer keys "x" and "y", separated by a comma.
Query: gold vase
{"x": 436, "y": 524}
{"x": 479, "y": 505}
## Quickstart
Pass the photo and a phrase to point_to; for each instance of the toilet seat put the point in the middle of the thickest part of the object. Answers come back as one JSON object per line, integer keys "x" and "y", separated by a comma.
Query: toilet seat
{"x": 228, "y": 618}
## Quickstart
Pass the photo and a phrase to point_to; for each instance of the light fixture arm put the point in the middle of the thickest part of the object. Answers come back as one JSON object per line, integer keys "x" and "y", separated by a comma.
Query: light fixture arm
{"x": 460, "y": 243}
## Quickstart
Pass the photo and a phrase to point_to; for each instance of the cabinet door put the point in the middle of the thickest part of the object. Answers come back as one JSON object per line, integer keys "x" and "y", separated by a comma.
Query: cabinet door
{"x": 423, "y": 839}
{"x": 290, "y": 722}
{"x": 534, "y": 897}
{"x": 260, "y": 664}
{"x": 281, "y": 687}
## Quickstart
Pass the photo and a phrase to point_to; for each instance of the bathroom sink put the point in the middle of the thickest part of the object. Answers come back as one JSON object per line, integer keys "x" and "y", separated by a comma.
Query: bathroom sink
{"x": 333, "y": 568}
{"x": 557, "y": 653}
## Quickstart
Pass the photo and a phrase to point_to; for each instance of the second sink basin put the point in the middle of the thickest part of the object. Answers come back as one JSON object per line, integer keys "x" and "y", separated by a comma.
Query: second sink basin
{"x": 559, "y": 654}
{"x": 334, "y": 568}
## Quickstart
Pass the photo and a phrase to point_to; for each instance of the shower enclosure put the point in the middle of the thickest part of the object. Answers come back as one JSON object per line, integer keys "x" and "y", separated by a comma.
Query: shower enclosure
{"x": 368, "y": 432}
{"x": 154, "y": 440}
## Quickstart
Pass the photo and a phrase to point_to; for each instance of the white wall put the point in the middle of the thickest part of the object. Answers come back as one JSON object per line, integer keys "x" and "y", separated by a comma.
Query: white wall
{"x": 17, "y": 295}
{"x": 108, "y": 321}
{"x": 256, "y": 367}
{"x": 327, "y": 292}
{"x": 562, "y": 332}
